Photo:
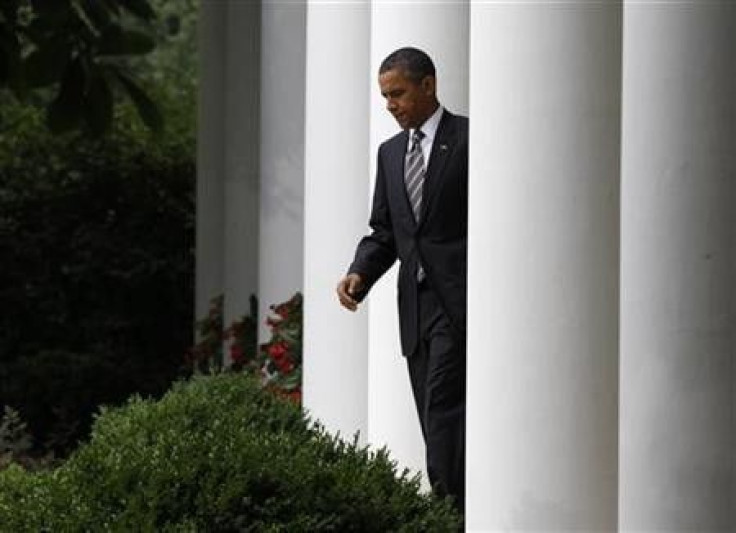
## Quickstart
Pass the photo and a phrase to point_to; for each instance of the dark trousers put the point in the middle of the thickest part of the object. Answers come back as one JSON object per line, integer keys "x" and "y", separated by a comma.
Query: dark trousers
{"x": 437, "y": 372}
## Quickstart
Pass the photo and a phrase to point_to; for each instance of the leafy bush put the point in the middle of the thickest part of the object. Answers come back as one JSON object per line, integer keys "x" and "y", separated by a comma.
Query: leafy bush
{"x": 277, "y": 363}
{"x": 218, "y": 454}
{"x": 14, "y": 437}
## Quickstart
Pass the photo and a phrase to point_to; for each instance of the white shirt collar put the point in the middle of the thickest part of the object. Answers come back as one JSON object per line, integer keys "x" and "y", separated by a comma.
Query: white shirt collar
{"x": 429, "y": 128}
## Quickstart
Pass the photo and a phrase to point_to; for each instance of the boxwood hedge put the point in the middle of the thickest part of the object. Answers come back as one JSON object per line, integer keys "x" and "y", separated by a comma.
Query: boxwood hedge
{"x": 218, "y": 454}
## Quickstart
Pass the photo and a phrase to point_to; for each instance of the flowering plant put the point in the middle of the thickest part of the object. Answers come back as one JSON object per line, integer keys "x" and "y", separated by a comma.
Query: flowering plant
{"x": 282, "y": 356}
{"x": 278, "y": 362}
{"x": 242, "y": 337}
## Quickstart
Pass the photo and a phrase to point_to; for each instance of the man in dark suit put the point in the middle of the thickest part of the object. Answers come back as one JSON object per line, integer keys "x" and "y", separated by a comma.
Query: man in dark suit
{"x": 419, "y": 216}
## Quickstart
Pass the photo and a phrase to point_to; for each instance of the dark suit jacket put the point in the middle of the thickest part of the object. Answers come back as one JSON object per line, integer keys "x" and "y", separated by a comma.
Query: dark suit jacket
{"x": 438, "y": 241}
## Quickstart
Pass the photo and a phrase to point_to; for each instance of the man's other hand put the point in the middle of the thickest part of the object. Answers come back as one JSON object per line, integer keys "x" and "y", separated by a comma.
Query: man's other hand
{"x": 348, "y": 289}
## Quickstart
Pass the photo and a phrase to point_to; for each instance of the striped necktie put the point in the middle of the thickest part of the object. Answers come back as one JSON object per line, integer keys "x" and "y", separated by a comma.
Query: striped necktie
{"x": 414, "y": 173}
{"x": 414, "y": 178}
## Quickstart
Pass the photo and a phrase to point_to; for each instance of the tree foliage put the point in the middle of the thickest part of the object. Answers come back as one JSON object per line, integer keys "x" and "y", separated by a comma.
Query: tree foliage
{"x": 96, "y": 238}
{"x": 75, "y": 57}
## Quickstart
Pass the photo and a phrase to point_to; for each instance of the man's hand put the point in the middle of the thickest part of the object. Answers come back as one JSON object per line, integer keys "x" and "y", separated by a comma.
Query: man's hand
{"x": 347, "y": 290}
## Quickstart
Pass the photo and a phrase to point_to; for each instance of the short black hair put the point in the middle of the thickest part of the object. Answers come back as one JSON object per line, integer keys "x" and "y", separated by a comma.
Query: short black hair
{"x": 415, "y": 63}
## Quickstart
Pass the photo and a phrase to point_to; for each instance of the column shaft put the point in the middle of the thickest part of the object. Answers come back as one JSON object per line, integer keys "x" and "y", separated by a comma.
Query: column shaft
{"x": 210, "y": 155}
{"x": 241, "y": 156}
{"x": 283, "y": 38}
{"x": 335, "y": 212}
{"x": 543, "y": 266}
{"x": 678, "y": 264}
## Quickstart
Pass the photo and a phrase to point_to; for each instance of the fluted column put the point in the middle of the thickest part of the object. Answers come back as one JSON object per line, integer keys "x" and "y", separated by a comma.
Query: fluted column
{"x": 440, "y": 29}
{"x": 335, "y": 211}
{"x": 281, "y": 257}
{"x": 678, "y": 267}
{"x": 543, "y": 266}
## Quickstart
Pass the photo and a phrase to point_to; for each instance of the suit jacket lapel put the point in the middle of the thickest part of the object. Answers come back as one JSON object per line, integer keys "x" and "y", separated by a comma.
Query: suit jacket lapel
{"x": 441, "y": 149}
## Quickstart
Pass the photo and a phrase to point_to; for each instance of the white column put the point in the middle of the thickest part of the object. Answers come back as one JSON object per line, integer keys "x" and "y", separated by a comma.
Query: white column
{"x": 441, "y": 30}
{"x": 335, "y": 212}
{"x": 210, "y": 155}
{"x": 241, "y": 155}
{"x": 678, "y": 267}
{"x": 281, "y": 268}
{"x": 543, "y": 266}
{"x": 227, "y": 156}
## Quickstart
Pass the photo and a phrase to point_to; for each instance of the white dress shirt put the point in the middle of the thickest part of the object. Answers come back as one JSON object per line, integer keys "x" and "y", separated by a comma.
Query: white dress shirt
{"x": 429, "y": 128}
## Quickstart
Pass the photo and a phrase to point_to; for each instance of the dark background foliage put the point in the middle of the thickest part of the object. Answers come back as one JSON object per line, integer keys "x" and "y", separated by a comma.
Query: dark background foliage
{"x": 96, "y": 242}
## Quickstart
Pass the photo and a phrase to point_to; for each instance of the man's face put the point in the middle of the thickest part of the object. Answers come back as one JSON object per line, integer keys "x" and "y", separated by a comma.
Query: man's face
{"x": 410, "y": 102}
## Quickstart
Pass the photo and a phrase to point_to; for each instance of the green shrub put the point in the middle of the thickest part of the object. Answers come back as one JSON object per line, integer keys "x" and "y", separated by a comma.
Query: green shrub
{"x": 218, "y": 454}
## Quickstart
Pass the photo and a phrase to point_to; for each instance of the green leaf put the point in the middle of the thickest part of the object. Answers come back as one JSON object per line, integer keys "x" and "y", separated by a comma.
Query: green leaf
{"x": 99, "y": 102}
{"x": 65, "y": 112}
{"x": 116, "y": 41}
{"x": 139, "y": 8}
{"x": 147, "y": 109}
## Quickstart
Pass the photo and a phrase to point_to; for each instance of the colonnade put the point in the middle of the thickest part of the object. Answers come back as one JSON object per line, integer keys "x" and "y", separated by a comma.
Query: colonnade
{"x": 602, "y": 238}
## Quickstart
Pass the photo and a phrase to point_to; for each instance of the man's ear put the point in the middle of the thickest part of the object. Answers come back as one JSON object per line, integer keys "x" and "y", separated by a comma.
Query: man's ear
{"x": 429, "y": 85}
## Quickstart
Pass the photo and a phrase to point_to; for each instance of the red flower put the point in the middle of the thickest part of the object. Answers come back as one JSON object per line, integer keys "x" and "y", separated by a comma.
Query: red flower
{"x": 284, "y": 365}
{"x": 278, "y": 350}
{"x": 236, "y": 353}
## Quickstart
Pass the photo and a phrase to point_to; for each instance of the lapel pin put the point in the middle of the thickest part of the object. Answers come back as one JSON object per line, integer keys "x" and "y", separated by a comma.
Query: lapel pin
{"x": 443, "y": 147}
